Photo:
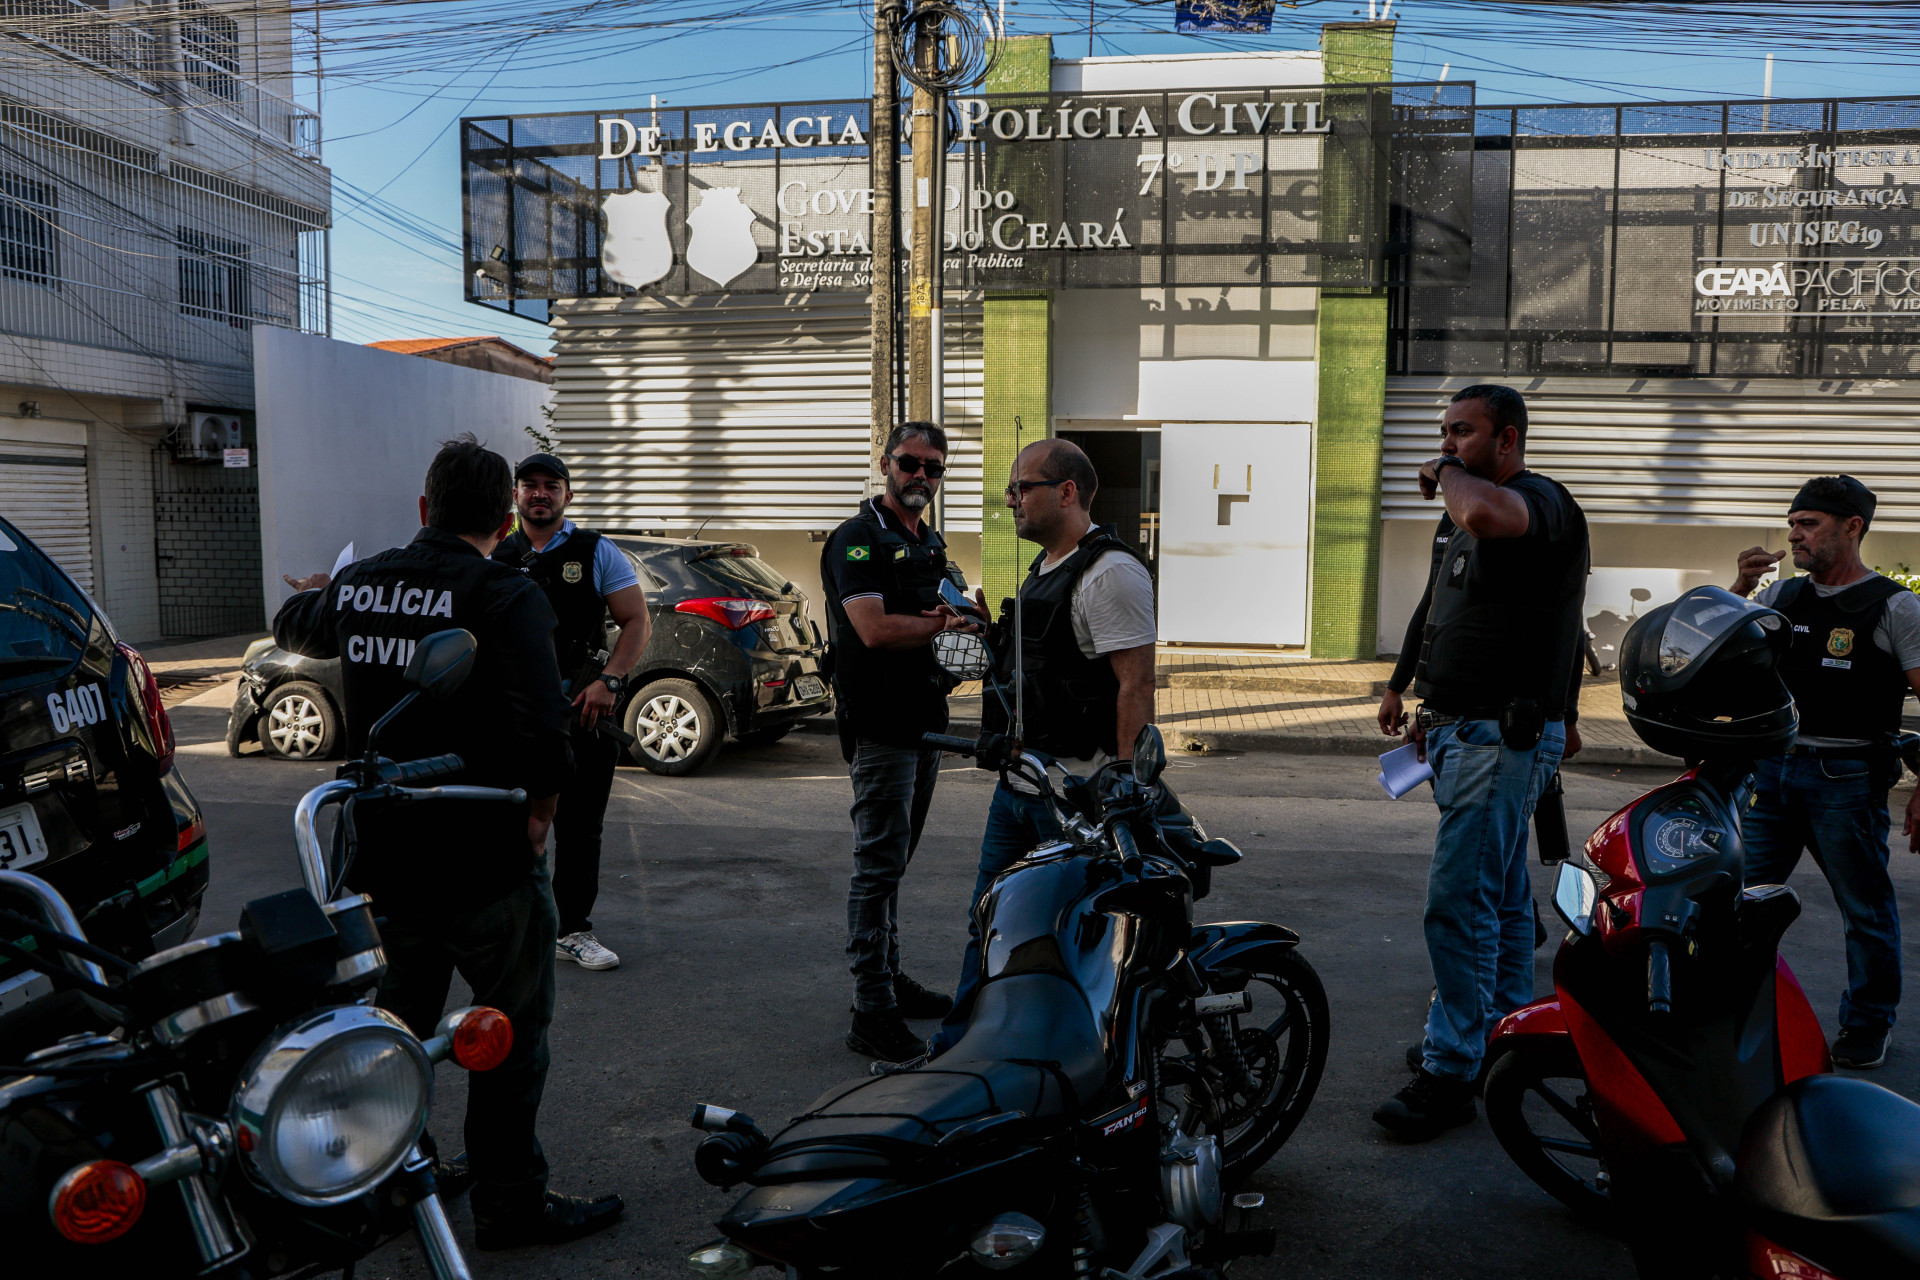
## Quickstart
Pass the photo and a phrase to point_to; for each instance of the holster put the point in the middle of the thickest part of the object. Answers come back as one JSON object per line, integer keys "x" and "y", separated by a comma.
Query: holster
{"x": 1550, "y": 822}
{"x": 1521, "y": 724}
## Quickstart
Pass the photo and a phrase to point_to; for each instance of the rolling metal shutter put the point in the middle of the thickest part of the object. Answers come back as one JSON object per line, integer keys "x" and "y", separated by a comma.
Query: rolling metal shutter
{"x": 1647, "y": 451}
{"x": 738, "y": 412}
{"x": 43, "y": 475}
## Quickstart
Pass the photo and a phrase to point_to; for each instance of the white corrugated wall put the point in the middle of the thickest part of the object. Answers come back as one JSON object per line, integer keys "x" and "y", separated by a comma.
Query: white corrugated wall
{"x": 1648, "y": 451}
{"x": 739, "y": 412}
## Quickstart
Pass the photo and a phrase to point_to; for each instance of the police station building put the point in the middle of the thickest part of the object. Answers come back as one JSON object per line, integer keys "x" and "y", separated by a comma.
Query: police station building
{"x": 1246, "y": 285}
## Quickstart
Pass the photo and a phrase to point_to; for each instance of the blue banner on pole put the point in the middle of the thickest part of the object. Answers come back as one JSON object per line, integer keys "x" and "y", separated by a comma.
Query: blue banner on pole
{"x": 1251, "y": 16}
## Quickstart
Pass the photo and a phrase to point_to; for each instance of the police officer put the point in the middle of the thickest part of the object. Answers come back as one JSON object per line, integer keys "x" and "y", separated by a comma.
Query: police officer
{"x": 881, "y": 571}
{"x": 585, "y": 578}
{"x": 1087, "y": 631}
{"x": 463, "y": 887}
{"x": 1493, "y": 649}
{"x": 1854, "y": 656}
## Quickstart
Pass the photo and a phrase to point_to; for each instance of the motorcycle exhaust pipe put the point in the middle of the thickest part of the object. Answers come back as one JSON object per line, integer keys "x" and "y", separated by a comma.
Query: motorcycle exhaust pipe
{"x": 735, "y": 1149}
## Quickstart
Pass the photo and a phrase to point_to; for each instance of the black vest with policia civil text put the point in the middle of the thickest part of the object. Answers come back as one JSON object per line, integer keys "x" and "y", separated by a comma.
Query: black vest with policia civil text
{"x": 1843, "y": 684}
{"x": 565, "y": 573}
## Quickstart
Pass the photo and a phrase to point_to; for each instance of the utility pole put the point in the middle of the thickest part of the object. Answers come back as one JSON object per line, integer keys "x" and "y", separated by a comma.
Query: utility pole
{"x": 883, "y": 154}
{"x": 925, "y": 401}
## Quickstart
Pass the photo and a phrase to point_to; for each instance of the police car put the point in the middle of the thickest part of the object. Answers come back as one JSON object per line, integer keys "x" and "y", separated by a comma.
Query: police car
{"x": 89, "y": 798}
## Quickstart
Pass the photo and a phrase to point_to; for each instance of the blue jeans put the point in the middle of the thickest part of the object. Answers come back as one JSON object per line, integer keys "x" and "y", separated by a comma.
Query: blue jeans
{"x": 892, "y": 789}
{"x": 1016, "y": 823}
{"x": 1479, "y": 922}
{"x": 1836, "y": 809}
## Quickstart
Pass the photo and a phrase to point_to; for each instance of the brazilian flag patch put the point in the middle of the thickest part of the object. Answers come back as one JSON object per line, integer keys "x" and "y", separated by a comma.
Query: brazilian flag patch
{"x": 858, "y": 553}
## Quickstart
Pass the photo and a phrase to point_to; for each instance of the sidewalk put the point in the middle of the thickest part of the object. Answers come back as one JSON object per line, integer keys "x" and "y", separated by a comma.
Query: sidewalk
{"x": 1251, "y": 700}
{"x": 196, "y": 667}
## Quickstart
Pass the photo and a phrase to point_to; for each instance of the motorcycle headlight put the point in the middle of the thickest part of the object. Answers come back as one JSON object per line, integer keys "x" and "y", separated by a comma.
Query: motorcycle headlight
{"x": 330, "y": 1106}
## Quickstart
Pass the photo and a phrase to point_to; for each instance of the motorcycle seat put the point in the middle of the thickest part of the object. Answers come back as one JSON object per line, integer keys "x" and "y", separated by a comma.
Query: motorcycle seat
{"x": 1031, "y": 1048}
{"x": 1829, "y": 1167}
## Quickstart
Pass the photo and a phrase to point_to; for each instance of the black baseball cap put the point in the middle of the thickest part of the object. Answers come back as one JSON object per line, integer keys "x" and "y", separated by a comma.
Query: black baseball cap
{"x": 542, "y": 462}
{"x": 1841, "y": 496}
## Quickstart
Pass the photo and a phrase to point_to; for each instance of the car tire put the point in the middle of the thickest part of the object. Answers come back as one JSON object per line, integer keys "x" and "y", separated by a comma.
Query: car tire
{"x": 764, "y": 737}
{"x": 678, "y": 727}
{"x": 298, "y": 722}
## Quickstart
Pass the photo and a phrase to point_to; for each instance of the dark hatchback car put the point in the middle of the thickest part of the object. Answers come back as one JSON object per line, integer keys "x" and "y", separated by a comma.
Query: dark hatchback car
{"x": 89, "y": 798}
{"x": 734, "y": 656}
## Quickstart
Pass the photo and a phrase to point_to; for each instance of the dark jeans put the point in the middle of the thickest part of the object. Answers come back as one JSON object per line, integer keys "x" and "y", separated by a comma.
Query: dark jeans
{"x": 504, "y": 951}
{"x": 576, "y": 829}
{"x": 892, "y": 788}
{"x": 1016, "y": 823}
{"x": 1836, "y": 809}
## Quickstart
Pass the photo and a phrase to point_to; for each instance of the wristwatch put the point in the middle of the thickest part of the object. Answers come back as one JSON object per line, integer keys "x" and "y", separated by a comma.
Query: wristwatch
{"x": 1444, "y": 461}
{"x": 613, "y": 682}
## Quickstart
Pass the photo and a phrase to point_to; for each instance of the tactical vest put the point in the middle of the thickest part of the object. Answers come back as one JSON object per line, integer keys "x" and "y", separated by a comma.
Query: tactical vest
{"x": 1844, "y": 684}
{"x": 1071, "y": 699}
{"x": 889, "y": 695}
{"x": 1495, "y": 638}
{"x": 565, "y": 573}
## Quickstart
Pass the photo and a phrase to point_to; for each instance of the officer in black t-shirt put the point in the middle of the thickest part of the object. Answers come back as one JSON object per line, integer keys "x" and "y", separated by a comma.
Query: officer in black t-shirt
{"x": 881, "y": 571}
{"x": 462, "y": 886}
{"x": 1493, "y": 651}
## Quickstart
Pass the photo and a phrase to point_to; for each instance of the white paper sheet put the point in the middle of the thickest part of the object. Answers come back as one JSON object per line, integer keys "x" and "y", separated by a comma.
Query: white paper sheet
{"x": 1402, "y": 769}
{"x": 342, "y": 560}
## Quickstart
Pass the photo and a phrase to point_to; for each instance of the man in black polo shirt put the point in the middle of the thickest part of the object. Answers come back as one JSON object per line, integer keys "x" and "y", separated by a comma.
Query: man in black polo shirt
{"x": 1855, "y": 654}
{"x": 585, "y": 578}
{"x": 1493, "y": 650}
{"x": 881, "y": 571}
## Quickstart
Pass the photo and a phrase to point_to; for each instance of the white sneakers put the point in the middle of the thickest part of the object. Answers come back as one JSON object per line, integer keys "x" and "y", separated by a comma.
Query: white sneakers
{"x": 585, "y": 950}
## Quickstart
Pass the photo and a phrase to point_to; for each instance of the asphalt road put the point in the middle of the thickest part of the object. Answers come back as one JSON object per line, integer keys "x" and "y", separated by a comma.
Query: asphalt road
{"x": 725, "y": 896}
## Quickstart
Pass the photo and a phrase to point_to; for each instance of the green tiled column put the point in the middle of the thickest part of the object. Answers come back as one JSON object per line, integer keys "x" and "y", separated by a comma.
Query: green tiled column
{"x": 1017, "y": 350}
{"x": 1352, "y": 354}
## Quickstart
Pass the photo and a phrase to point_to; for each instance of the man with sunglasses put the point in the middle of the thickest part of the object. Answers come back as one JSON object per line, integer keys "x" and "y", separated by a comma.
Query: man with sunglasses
{"x": 881, "y": 572}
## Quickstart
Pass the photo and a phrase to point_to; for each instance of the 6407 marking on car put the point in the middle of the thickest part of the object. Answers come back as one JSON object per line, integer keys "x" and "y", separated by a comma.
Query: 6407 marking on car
{"x": 76, "y": 707}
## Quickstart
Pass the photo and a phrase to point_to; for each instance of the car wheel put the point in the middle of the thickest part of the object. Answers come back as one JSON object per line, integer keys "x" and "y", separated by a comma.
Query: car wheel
{"x": 764, "y": 737}
{"x": 299, "y": 722}
{"x": 677, "y": 726}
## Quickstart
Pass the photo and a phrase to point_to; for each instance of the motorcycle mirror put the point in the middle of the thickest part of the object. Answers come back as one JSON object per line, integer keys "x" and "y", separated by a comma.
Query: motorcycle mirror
{"x": 1574, "y": 894}
{"x": 962, "y": 655}
{"x": 441, "y": 662}
{"x": 1149, "y": 756}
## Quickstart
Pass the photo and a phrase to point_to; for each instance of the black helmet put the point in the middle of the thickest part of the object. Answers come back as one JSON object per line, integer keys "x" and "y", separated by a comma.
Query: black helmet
{"x": 1700, "y": 677}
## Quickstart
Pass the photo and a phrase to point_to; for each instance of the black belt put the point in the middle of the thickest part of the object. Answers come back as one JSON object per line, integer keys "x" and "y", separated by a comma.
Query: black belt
{"x": 1432, "y": 717}
{"x": 1866, "y": 751}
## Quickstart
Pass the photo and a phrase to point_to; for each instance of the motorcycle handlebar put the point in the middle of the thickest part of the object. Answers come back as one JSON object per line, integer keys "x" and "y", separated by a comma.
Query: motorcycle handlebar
{"x": 1659, "y": 978}
{"x": 947, "y": 742}
{"x": 515, "y": 796}
{"x": 422, "y": 770}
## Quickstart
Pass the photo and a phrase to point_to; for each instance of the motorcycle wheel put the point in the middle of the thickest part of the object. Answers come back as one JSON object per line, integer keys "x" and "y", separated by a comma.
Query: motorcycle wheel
{"x": 1283, "y": 1041}
{"x": 1538, "y": 1107}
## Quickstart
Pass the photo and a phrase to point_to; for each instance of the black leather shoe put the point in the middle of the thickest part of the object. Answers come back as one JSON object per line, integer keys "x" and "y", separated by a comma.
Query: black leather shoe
{"x": 451, "y": 1178}
{"x": 1427, "y": 1107}
{"x": 884, "y": 1035}
{"x": 1417, "y": 1061}
{"x": 561, "y": 1218}
{"x": 915, "y": 1001}
{"x": 1861, "y": 1048}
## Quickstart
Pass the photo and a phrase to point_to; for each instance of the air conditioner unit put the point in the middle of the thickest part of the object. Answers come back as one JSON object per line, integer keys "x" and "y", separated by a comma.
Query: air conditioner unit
{"x": 208, "y": 434}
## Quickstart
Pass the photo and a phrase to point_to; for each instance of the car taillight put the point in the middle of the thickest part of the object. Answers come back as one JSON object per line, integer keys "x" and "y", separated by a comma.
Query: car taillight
{"x": 152, "y": 713}
{"x": 728, "y": 611}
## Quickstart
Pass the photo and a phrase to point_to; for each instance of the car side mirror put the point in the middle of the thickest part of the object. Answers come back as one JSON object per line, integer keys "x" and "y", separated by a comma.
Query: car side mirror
{"x": 441, "y": 662}
{"x": 1149, "y": 756}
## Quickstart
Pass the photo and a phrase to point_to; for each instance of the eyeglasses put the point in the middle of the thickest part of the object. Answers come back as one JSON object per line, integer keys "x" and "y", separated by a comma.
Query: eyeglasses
{"x": 1018, "y": 489}
{"x": 914, "y": 466}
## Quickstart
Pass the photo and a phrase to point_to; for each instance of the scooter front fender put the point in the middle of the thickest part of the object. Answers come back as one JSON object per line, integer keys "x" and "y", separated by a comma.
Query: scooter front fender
{"x": 1541, "y": 1020}
{"x": 1225, "y": 954}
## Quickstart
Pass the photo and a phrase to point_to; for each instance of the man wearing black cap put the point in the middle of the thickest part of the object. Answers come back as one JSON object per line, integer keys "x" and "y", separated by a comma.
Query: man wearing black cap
{"x": 585, "y": 578}
{"x": 1855, "y": 654}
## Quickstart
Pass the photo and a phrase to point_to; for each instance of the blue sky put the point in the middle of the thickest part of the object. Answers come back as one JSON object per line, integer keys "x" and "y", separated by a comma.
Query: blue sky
{"x": 399, "y": 137}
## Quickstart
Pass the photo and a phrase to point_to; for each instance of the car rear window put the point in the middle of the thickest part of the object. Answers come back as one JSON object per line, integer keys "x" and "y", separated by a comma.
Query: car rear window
{"x": 738, "y": 569}
{"x": 44, "y": 619}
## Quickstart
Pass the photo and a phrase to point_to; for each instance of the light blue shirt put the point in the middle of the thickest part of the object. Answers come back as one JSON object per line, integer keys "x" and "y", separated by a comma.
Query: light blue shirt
{"x": 611, "y": 570}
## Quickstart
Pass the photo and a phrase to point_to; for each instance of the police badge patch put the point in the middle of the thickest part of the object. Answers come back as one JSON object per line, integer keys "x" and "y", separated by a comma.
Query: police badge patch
{"x": 1840, "y": 642}
{"x": 570, "y": 571}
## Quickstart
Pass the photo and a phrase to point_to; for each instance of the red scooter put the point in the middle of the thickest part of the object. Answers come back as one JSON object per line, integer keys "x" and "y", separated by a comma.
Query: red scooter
{"x": 1676, "y": 1087}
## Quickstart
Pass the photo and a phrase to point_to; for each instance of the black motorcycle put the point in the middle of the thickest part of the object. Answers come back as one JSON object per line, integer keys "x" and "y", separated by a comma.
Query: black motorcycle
{"x": 240, "y": 1110}
{"x": 1123, "y": 1068}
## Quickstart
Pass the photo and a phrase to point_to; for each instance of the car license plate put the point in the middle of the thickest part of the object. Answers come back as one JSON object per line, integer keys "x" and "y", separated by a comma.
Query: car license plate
{"x": 21, "y": 844}
{"x": 809, "y": 688}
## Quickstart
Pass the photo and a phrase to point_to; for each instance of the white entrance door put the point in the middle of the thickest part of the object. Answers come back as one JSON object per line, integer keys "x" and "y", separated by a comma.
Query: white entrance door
{"x": 1235, "y": 504}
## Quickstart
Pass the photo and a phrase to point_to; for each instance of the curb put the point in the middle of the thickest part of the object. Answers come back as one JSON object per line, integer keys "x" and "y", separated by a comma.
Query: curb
{"x": 1209, "y": 741}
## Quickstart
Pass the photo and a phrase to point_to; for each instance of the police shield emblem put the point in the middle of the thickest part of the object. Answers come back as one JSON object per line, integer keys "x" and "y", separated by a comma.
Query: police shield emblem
{"x": 570, "y": 571}
{"x": 636, "y": 250}
{"x": 1840, "y": 642}
{"x": 721, "y": 244}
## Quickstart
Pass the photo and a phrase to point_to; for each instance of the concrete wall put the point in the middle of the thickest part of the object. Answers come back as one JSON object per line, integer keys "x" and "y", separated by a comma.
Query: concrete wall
{"x": 1703, "y": 554}
{"x": 346, "y": 433}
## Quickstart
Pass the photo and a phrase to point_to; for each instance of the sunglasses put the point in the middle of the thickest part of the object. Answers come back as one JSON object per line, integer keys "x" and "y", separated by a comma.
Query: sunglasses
{"x": 914, "y": 466}
{"x": 1019, "y": 487}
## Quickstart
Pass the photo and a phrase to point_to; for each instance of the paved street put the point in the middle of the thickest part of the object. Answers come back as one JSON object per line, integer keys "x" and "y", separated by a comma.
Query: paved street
{"x": 724, "y": 895}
